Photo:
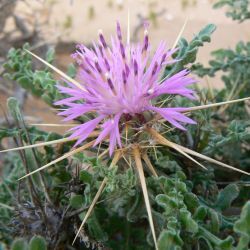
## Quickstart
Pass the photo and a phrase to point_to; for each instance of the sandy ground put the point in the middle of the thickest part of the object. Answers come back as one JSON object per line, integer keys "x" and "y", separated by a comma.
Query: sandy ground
{"x": 79, "y": 20}
{"x": 84, "y": 28}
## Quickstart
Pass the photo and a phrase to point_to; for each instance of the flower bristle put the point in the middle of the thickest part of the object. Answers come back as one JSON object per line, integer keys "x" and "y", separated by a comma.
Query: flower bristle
{"x": 121, "y": 80}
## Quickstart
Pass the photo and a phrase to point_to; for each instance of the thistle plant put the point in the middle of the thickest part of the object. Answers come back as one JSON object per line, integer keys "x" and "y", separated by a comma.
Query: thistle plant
{"x": 237, "y": 9}
{"x": 123, "y": 102}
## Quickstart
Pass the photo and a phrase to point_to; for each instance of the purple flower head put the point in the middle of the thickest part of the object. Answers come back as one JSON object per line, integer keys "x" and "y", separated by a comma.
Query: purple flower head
{"x": 121, "y": 81}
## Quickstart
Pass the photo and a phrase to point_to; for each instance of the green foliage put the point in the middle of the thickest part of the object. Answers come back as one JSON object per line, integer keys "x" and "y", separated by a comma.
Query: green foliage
{"x": 187, "y": 52}
{"x": 169, "y": 240}
{"x": 242, "y": 227}
{"x": 237, "y": 9}
{"x": 187, "y": 218}
{"x": 19, "y": 244}
{"x": 176, "y": 213}
{"x": 234, "y": 66}
{"x": 226, "y": 197}
{"x": 192, "y": 209}
{"x": 36, "y": 243}
{"x": 76, "y": 201}
{"x": 18, "y": 67}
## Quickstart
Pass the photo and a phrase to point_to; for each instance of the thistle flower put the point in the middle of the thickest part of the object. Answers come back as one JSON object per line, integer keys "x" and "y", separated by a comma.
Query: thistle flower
{"x": 121, "y": 82}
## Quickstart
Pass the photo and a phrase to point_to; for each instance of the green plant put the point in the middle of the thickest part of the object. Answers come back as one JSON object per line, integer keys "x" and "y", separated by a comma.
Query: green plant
{"x": 192, "y": 209}
{"x": 237, "y": 9}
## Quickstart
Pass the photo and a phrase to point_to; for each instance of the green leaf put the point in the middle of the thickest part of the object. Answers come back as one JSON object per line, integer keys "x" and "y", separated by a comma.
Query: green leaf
{"x": 13, "y": 107}
{"x": 220, "y": 4}
{"x": 226, "y": 197}
{"x": 205, "y": 33}
{"x": 85, "y": 177}
{"x": 191, "y": 201}
{"x": 170, "y": 240}
{"x": 242, "y": 227}
{"x": 200, "y": 213}
{"x": 226, "y": 244}
{"x": 134, "y": 211}
{"x": 37, "y": 243}
{"x": 187, "y": 51}
{"x": 166, "y": 202}
{"x": 24, "y": 81}
{"x": 50, "y": 55}
{"x": 19, "y": 244}
{"x": 95, "y": 228}
{"x": 76, "y": 201}
{"x": 187, "y": 222}
{"x": 215, "y": 221}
